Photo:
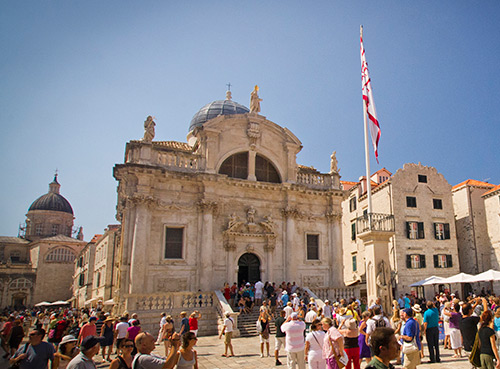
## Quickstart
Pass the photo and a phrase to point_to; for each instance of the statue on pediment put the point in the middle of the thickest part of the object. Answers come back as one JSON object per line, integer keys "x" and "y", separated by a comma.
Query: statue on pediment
{"x": 149, "y": 129}
{"x": 255, "y": 100}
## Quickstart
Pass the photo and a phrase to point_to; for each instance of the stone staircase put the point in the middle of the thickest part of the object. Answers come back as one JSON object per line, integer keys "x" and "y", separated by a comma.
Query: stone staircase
{"x": 247, "y": 323}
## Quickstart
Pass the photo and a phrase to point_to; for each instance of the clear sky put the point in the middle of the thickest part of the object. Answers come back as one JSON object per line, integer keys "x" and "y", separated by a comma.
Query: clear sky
{"x": 78, "y": 79}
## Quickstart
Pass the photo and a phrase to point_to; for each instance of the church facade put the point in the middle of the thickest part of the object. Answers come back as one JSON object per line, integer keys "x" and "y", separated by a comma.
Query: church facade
{"x": 230, "y": 205}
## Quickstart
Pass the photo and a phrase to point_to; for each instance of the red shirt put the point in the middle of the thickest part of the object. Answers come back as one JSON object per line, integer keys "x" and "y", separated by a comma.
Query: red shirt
{"x": 227, "y": 293}
{"x": 88, "y": 330}
{"x": 193, "y": 324}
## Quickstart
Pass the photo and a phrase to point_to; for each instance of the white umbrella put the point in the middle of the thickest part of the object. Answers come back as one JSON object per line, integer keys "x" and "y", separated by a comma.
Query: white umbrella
{"x": 43, "y": 303}
{"x": 489, "y": 275}
{"x": 60, "y": 302}
{"x": 433, "y": 280}
{"x": 458, "y": 278}
{"x": 423, "y": 281}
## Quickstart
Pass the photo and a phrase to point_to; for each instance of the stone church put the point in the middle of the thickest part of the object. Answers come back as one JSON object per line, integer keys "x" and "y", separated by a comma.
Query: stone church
{"x": 44, "y": 249}
{"x": 229, "y": 205}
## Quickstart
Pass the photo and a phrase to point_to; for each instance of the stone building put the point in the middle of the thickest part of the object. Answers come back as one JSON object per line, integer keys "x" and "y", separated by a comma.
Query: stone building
{"x": 424, "y": 242}
{"x": 83, "y": 277}
{"x": 492, "y": 211}
{"x": 43, "y": 249}
{"x": 230, "y": 205}
{"x": 472, "y": 235}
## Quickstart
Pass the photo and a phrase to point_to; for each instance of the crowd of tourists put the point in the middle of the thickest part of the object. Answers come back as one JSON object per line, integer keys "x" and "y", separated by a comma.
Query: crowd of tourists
{"x": 73, "y": 339}
{"x": 324, "y": 337}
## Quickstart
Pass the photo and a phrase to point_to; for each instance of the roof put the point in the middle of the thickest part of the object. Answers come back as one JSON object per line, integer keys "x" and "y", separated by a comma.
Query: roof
{"x": 174, "y": 145}
{"x": 6, "y": 239}
{"x": 214, "y": 109}
{"x": 96, "y": 238}
{"x": 52, "y": 202}
{"x": 473, "y": 182}
{"x": 490, "y": 192}
{"x": 59, "y": 238}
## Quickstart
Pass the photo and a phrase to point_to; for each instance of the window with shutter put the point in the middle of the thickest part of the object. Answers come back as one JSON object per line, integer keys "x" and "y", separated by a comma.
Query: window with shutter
{"x": 411, "y": 202}
{"x": 353, "y": 231}
{"x": 436, "y": 261}
{"x": 422, "y": 261}
{"x": 421, "y": 234}
{"x": 173, "y": 242}
{"x": 312, "y": 247}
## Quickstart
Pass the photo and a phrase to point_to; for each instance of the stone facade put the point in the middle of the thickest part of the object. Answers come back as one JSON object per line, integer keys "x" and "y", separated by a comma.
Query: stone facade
{"x": 492, "y": 212}
{"x": 83, "y": 277}
{"x": 231, "y": 206}
{"x": 472, "y": 235}
{"x": 420, "y": 200}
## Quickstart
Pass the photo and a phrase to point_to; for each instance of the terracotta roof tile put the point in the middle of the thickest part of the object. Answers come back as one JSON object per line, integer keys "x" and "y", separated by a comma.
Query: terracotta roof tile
{"x": 174, "y": 145}
{"x": 494, "y": 189}
{"x": 473, "y": 182}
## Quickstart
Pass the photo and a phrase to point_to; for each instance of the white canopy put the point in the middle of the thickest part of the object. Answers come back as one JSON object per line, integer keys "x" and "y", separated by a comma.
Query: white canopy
{"x": 424, "y": 281}
{"x": 458, "y": 278}
{"x": 489, "y": 275}
{"x": 109, "y": 302}
{"x": 433, "y": 280}
{"x": 43, "y": 303}
{"x": 60, "y": 302}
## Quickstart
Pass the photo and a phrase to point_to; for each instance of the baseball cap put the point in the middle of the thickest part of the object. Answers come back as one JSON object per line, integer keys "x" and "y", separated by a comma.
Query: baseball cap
{"x": 90, "y": 341}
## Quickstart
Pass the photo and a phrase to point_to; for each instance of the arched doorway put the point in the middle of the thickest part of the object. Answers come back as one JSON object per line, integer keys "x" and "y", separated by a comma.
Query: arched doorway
{"x": 248, "y": 268}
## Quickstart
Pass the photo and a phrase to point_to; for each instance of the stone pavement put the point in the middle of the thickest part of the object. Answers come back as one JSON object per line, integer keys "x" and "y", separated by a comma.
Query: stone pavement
{"x": 247, "y": 351}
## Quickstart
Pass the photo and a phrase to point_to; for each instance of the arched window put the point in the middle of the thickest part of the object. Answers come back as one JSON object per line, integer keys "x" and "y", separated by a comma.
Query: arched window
{"x": 20, "y": 283}
{"x": 265, "y": 170}
{"x": 236, "y": 166}
{"x": 60, "y": 254}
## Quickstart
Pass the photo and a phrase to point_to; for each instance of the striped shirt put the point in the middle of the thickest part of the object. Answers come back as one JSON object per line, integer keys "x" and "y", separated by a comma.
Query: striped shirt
{"x": 294, "y": 331}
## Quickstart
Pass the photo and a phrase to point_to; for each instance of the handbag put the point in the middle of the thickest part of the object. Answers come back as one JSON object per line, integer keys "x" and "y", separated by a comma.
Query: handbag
{"x": 475, "y": 355}
{"x": 341, "y": 359}
{"x": 410, "y": 347}
{"x": 18, "y": 364}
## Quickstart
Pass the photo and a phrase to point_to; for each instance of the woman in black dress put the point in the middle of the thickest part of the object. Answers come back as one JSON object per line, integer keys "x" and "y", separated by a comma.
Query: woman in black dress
{"x": 487, "y": 338}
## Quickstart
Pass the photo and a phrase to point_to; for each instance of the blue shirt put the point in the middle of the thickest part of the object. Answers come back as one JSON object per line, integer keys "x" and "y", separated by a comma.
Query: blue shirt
{"x": 496, "y": 323}
{"x": 431, "y": 317}
{"x": 38, "y": 356}
{"x": 412, "y": 329}
{"x": 407, "y": 303}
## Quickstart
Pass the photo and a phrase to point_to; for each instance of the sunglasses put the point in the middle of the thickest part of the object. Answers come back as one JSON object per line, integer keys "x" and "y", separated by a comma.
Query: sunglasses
{"x": 33, "y": 334}
{"x": 128, "y": 346}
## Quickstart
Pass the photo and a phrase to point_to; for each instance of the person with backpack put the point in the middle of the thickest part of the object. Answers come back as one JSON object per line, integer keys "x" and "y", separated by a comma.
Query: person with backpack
{"x": 378, "y": 320}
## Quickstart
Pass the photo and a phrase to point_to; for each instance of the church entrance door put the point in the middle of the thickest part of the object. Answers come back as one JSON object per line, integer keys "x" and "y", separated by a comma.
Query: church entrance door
{"x": 248, "y": 268}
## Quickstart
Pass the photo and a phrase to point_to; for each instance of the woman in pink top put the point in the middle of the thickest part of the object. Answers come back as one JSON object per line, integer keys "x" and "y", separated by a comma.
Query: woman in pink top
{"x": 333, "y": 344}
{"x": 132, "y": 332}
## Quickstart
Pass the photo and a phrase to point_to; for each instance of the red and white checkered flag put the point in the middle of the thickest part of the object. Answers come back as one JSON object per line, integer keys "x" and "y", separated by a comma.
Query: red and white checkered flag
{"x": 368, "y": 100}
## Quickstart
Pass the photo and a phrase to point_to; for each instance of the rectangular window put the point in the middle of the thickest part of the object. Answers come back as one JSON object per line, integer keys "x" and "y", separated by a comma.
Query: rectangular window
{"x": 353, "y": 231}
{"x": 437, "y": 203}
{"x": 81, "y": 281}
{"x": 354, "y": 263}
{"x": 443, "y": 261}
{"x": 422, "y": 178}
{"x": 442, "y": 231}
{"x": 15, "y": 257}
{"x": 415, "y": 230}
{"x": 352, "y": 204}
{"x": 55, "y": 229}
{"x": 312, "y": 247}
{"x": 173, "y": 242}
{"x": 415, "y": 261}
{"x": 411, "y": 202}
{"x": 38, "y": 229}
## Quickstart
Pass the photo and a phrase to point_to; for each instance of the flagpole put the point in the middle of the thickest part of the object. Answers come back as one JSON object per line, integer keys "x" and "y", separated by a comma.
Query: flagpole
{"x": 367, "y": 152}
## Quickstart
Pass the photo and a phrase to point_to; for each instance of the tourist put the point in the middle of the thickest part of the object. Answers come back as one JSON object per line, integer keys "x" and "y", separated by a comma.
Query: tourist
{"x": 417, "y": 315}
{"x": 88, "y": 329}
{"x": 263, "y": 329}
{"x": 376, "y": 321}
{"x": 487, "y": 342}
{"x": 145, "y": 344}
{"x": 166, "y": 333}
{"x": 227, "y": 331}
{"x": 351, "y": 344}
{"x": 5, "y": 335}
{"x": 188, "y": 358}
{"x": 284, "y": 298}
{"x": 327, "y": 309}
{"x": 35, "y": 354}
{"x": 89, "y": 347}
{"x": 280, "y": 336}
{"x": 193, "y": 322}
{"x": 411, "y": 333}
{"x": 294, "y": 341}
{"x": 455, "y": 336}
{"x": 445, "y": 316}
{"x": 184, "y": 323}
{"x": 385, "y": 348}
{"x": 311, "y": 316}
{"x": 378, "y": 304}
{"x": 121, "y": 330}
{"x": 431, "y": 331}
{"x": 15, "y": 336}
{"x": 67, "y": 351}
{"x": 314, "y": 346}
{"x": 259, "y": 287}
{"x": 107, "y": 331}
{"x": 364, "y": 349}
{"x": 496, "y": 324}
{"x": 333, "y": 344}
{"x": 124, "y": 358}
{"x": 288, "y": 309}
{"x": 162, "y": 322}
{"x": 133, "y": 331}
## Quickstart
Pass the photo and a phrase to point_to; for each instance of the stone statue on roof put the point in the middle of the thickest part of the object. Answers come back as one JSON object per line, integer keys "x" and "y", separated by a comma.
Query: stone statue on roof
{"x": 149, "y": 129}
{"x": 334, "y": 163}
{"x": 255, "y": 100}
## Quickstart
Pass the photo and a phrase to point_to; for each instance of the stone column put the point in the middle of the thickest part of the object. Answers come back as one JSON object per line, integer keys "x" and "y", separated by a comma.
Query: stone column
{"x": 251, "y": 165}
{"x": 378, "y": 271}
{"x": 289, "y": 215}
{"x": 140, "y": 240}
{"x": 206, "y": 245}
{"x": 269, "y": 248}
{"x": 334, "y": 253}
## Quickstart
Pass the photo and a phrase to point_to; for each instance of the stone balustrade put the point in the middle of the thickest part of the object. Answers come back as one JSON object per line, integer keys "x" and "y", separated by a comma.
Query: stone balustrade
{"x": 332, "y": 294}
{"x": 174, "y": 300}
{"x": 375, "y": 222}
{"x": 177, "y": 160}
{"x": 315, "y": 180}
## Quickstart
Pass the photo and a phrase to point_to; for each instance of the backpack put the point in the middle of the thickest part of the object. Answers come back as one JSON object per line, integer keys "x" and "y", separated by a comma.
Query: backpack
{"x": 380, "y": 322}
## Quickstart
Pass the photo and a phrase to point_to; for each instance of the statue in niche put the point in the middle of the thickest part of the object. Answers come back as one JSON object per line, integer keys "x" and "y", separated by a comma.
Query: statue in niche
{"x": 255, "y": 100}
{"x": 334, "y": 163}
{"x": 149, "y": 129}
{"x": 251, "y": 215}
{"x": 382, "y": 281}
{"x": 233, "y": 219}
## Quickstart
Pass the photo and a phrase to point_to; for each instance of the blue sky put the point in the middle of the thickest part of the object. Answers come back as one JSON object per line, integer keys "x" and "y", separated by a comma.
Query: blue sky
{"x": 80, "y": 77}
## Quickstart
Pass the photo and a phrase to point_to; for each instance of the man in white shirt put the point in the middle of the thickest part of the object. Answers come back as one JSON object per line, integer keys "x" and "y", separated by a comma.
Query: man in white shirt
{"x": 121, "y": 330}
{"x": 288, "y": 309}
{"x": 227, "y": 331}
{"x": 259, "y": 286}
{"x": 327, "y": 309}
{"x": 310, "y": 316}
{"x": 378, "y": 320}
{"x": 295, "y": 302}
{"x": 294, "y": 341}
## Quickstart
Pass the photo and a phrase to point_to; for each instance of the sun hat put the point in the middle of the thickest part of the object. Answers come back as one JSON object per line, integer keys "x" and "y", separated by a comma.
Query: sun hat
{"x": 417, "y": 308}
{"x": 68, "y": 338}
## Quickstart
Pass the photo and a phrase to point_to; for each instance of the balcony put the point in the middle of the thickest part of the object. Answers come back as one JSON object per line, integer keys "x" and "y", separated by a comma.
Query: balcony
{"x": 375, "y": 222}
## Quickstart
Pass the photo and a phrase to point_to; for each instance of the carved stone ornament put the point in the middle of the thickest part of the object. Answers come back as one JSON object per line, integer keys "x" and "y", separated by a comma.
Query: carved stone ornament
{"x": 331, "y": 216}
{"x": 290, "y": 212}
{"x": 250, "y": 248}
{"x": 206, "y": 206}
{"x": 253, "y": 133}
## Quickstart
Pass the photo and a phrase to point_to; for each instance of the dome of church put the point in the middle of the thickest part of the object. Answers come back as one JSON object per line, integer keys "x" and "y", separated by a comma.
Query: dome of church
{"x": 52, "y": 201}
{"x": 214, "y": 109}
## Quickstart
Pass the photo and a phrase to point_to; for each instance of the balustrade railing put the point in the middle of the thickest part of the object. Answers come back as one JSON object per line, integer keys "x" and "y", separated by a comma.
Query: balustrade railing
{"x": 174, "y": 300}
{"x": 332, "y": 294}
{"x": 179, "y": 160}
{"x": 317, "y": 180}
{"x": 375, "y": 222}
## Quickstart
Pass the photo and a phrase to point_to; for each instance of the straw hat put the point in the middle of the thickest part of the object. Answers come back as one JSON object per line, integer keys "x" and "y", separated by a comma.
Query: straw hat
{"x": 417, "y": 308}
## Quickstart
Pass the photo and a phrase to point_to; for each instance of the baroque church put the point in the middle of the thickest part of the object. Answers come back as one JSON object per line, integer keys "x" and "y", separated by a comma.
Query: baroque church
{"x": 43, "y": 249}
{"x": 229, "y": 205}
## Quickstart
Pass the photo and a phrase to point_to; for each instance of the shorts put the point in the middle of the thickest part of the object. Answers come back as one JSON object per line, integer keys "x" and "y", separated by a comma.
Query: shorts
{"x": 278, "y": 342}
{"x": 227, "y": 337}
{"x": 410, "y": 361}
{"x": 262, "y": 339}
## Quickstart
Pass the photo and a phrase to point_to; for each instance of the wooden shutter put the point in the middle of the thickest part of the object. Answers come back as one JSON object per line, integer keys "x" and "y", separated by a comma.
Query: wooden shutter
{"x": 435, "y": 230}
{"x": 408, "y": 261}
{"x": 436, "y": 261}
{"x": 449, "y": 261}
{"x": 407, "y": 229}
{"x": 446, "y": 231}
{"x": 421, "y": 230}
{"x": 422, "y": 261}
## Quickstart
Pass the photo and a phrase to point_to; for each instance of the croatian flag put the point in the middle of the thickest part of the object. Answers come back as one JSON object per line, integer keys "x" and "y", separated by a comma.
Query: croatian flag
{"x": 368, "y": 100}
